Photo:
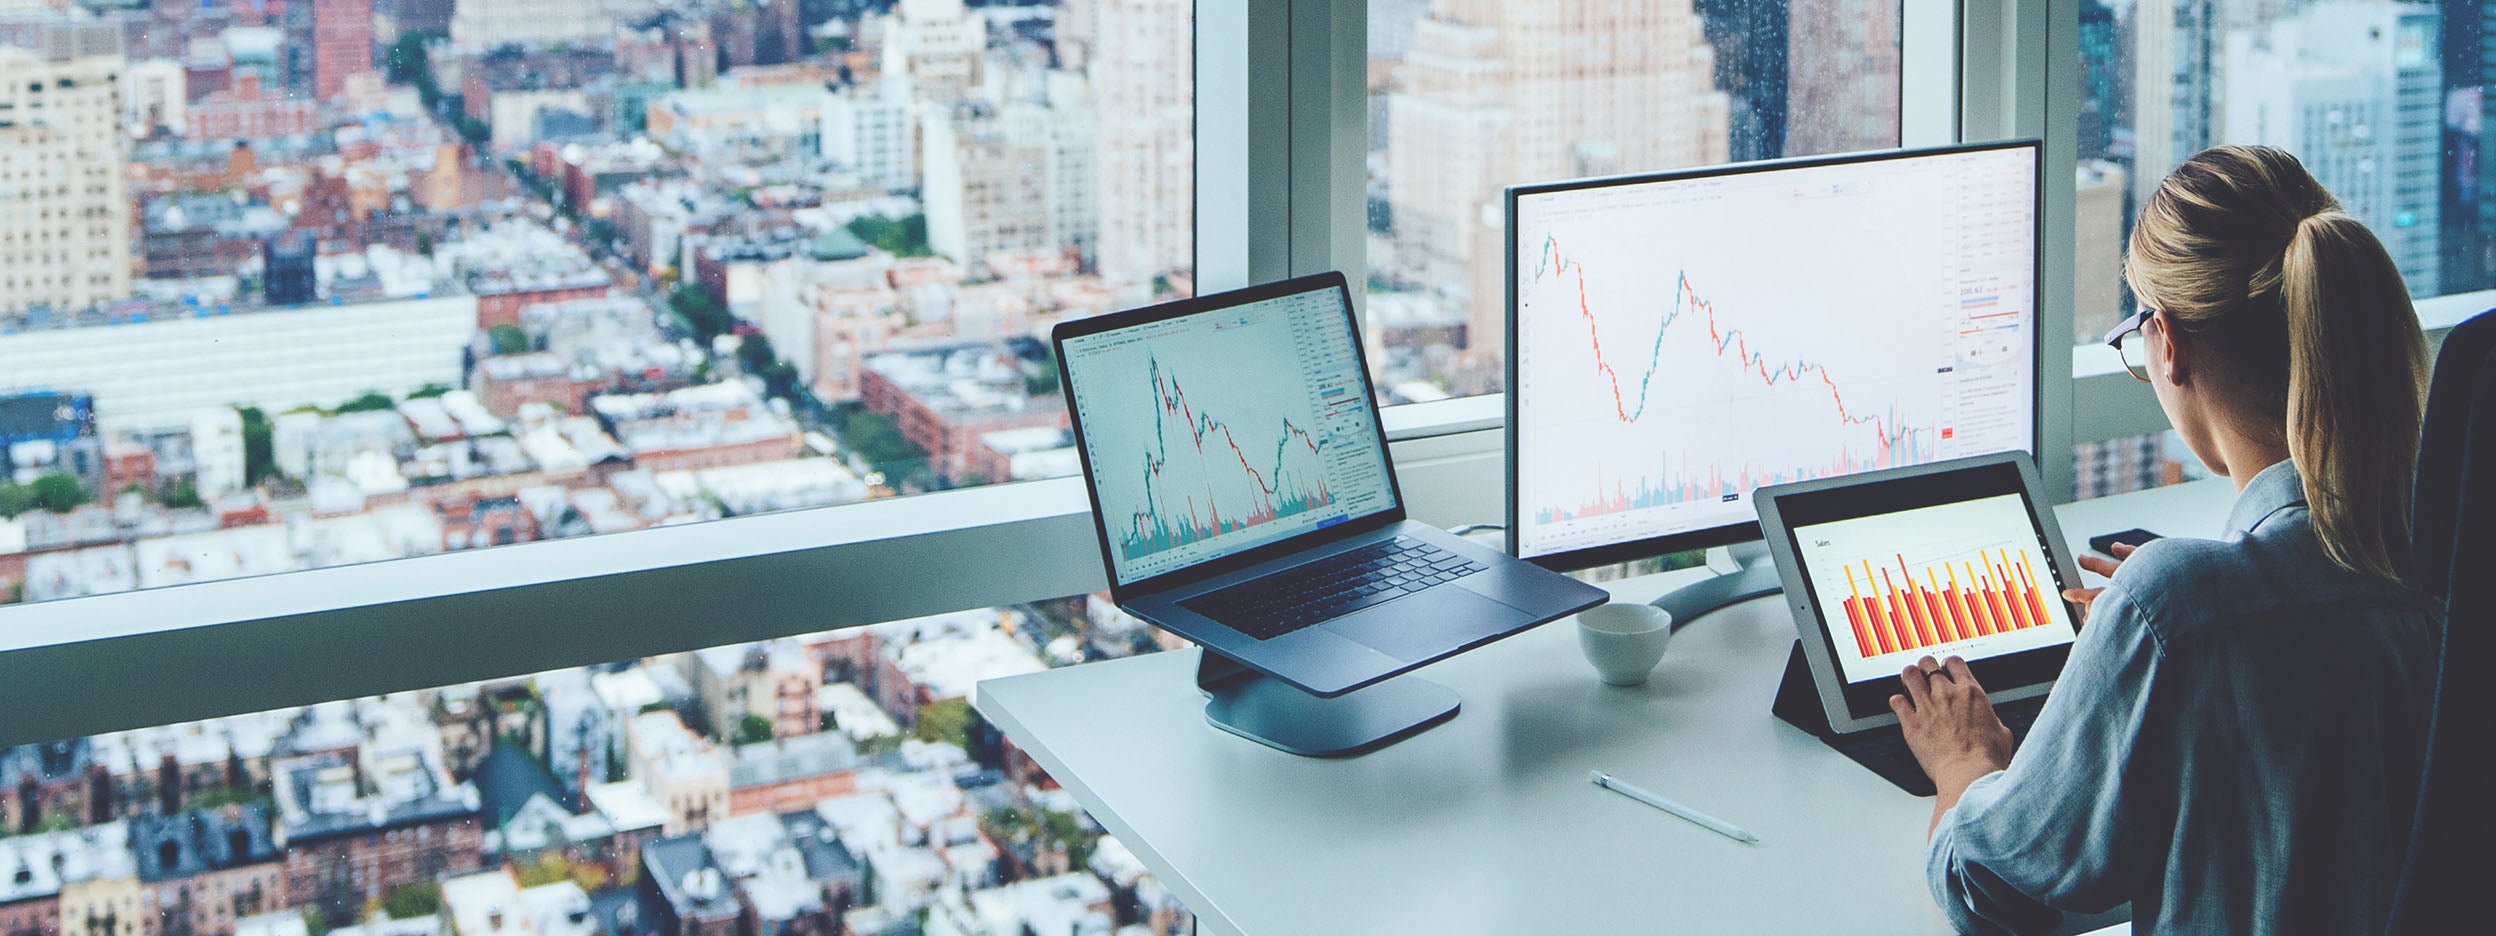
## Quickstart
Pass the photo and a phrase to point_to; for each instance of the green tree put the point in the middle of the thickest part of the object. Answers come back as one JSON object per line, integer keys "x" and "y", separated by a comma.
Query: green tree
{"x": 755, "y": 353}
{"x": 553, "y": 868}
{"x": 408, "y": 64}
{"x": 413, "y": 899}
{"x": 181, "y": 495}
{"x": 878, "y": 440}
{"x": 752, "y": 729}
{"x": 1040, "y": 382}
{"x": 901, "y": 237}
{"x": 259, "y": 451}
{"x": 700, "y": 312}
{"x": 370, "y": 402}
{"x": 15, "y": 499}
{"x": 945, "y": 720}
{"x": 59, "y": 493}
{"x": 508, "y": 339}
{"x": 428, "y": 391}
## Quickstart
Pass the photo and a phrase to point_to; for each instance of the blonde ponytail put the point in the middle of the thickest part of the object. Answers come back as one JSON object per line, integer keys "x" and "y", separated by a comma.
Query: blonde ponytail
{"x": 2356, "y": 390}
{"x": 2242, "y": 249}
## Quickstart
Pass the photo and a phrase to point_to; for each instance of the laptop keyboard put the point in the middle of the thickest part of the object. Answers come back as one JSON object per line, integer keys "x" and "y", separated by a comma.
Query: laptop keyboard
{"x": 1330, "y": 588}
{"x": 1884, "y": 750}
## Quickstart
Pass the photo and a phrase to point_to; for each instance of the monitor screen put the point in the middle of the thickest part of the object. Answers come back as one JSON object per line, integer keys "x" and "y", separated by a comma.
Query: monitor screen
{"x": 1680, "y": 340}
{"x": 1220, "y": 431}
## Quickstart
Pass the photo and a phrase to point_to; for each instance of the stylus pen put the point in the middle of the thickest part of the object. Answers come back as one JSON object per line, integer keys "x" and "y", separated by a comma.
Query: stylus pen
{"x": 1702, "y": 820}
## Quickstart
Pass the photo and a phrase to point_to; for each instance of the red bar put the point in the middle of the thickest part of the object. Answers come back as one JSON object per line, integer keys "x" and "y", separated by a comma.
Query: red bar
{"x": 1932, "y": 609}
{"x": 1916, "y": 638}
{"x": 1861, "y": 615}
{"x": 1854, "y": 619}
{"x": 1915, "y": 610}
{"x": 1958, "y": 603}
{"x": 1932, "y": 624}
{"x": 2001, "y": 609}
{"x": 1880, "y": 616}
{"x": 1974, "y": 593}
{"x": 2036, "y": 598}
{"x": 1941, "y": 612}
{"x": 2012, "y": 597}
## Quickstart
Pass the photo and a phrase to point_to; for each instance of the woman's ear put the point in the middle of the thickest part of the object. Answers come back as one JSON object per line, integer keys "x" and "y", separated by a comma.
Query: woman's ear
{"x": 2170, "y": 353}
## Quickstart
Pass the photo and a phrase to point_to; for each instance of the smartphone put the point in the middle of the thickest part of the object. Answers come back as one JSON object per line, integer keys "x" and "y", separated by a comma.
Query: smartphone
{"x": 2105, "y": 542}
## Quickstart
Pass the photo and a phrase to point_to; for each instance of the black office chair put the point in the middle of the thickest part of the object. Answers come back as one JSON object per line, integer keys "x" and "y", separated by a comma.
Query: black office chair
{"x": 2452, "y": 851}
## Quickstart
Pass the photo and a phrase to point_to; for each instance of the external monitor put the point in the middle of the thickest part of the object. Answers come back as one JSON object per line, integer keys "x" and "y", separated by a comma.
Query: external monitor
{"x": 1678, "y": 340}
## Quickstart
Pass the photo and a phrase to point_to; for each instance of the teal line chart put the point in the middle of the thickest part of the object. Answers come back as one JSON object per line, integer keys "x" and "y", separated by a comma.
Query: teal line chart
{"x": 1276, "y": 492}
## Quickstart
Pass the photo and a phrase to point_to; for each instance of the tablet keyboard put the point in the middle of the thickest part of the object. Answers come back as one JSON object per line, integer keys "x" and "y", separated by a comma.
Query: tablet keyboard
{"x": 1884, "y": 750}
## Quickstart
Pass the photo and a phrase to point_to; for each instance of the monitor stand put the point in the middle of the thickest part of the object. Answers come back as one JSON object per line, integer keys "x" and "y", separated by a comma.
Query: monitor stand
{"x": 1757, "y": 578}
{"x": 1279, "y": 715}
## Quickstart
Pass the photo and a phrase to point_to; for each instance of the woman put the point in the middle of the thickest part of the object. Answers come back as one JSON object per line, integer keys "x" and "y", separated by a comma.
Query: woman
{"x": 2235, "y": 745}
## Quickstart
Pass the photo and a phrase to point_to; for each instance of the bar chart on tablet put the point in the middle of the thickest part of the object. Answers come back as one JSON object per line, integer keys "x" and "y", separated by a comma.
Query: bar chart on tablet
{"x": 1969, "y": 579}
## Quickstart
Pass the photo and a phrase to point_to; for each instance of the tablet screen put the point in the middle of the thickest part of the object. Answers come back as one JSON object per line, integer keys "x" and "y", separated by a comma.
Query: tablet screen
{"x": 1968, "y": 579}
{"x": 1953, "y": 562}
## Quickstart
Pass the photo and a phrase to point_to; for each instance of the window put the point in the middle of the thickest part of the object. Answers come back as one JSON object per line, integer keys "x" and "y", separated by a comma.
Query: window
{"x": 882, "y": 782}
{"x": 523, "y": 272}
{"x": 1466, "y": 98}
{"x": 2383, "y": 102}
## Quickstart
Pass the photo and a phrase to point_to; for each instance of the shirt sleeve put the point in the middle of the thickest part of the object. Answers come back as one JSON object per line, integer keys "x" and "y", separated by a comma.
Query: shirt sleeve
{"x": 2045, "y": 835}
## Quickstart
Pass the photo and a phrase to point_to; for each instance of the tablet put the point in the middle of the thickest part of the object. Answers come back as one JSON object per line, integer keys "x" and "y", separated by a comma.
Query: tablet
{"x": 1955, "y": 558}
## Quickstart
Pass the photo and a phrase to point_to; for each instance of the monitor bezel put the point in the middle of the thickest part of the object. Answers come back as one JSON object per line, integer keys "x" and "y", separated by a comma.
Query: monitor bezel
{"x": 1747, "y": 531}
{"x": 1392, "y": 514}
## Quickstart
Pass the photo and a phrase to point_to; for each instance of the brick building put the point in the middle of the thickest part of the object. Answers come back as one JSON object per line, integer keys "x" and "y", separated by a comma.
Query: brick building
{"x": 356, "y": 824}
{"x": 203, "y": 870}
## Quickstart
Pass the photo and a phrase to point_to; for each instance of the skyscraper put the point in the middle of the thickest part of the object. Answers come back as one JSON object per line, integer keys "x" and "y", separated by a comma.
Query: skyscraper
{"x": 64, "y": 211}
{"x": 1496, "y": 92}
{"x": 2174, "y": 44}
{"x": 1143, "y": 78}
{"x": 2354, "y": 89}
{"x": 1842, "y": 76}
{"x": 342, "y": 44}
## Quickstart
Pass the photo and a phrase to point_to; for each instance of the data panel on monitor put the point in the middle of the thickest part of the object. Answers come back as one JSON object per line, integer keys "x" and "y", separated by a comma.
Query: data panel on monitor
{"x": 1217, "y": 432}
{"x": 1681, "y": 342}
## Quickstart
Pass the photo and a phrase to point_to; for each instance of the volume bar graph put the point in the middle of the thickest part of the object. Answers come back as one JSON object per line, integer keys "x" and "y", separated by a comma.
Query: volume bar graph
{"x": 1898, "y": 609}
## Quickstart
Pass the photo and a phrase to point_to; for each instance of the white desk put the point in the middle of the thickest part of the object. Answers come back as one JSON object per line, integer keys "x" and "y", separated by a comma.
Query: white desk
{"x": 1486, "y": 824}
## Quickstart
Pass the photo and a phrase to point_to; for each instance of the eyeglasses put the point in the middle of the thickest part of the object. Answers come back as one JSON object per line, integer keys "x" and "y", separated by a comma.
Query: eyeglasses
{"x": 2128, "y": 341}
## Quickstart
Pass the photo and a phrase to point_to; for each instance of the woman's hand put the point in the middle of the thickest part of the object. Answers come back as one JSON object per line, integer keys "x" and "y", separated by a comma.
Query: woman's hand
{"x": 1951, "y": 727}
{"x": 2085, "y": 597}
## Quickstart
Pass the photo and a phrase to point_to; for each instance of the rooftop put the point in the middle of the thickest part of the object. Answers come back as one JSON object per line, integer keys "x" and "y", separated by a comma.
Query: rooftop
{"x": 190, "y": 844}
{"x": 688, "y": 879}
{"x": 779, "y": 761}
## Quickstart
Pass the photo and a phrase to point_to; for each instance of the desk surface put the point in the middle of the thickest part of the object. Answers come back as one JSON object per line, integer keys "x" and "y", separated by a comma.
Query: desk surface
{"x": 1487, "y": 824}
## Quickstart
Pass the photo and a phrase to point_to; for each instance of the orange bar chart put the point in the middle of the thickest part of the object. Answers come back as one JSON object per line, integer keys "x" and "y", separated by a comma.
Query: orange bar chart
{"x": 1900, "y": 609}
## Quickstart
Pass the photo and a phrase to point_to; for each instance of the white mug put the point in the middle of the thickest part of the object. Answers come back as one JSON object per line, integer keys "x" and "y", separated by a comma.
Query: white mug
{"x": 1624, "y": 640}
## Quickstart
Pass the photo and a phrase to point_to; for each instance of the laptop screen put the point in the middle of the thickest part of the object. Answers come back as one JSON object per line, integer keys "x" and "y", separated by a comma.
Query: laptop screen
{"x": 1216, "y": 432}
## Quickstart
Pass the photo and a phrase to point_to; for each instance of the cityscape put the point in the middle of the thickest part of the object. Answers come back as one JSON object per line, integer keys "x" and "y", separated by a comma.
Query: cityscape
{"x": 289, "y": 284}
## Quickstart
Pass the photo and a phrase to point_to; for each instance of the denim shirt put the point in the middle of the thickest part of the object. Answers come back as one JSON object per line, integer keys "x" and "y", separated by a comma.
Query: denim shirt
{"x": 2234, "y": 746}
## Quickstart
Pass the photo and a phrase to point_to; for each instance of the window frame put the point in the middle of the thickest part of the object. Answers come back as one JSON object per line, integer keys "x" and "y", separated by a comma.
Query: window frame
{"x": 1280, "y": 139}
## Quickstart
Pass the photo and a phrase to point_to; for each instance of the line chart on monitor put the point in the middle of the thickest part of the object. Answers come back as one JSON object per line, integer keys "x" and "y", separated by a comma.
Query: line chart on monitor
{"x": 1682, "y": 343}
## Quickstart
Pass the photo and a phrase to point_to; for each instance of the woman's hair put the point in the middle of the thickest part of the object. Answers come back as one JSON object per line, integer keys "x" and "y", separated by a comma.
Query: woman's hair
{"x": 2299, "y": 303}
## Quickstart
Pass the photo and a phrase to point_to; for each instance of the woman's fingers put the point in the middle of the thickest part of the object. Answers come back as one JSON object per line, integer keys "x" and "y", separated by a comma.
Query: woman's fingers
{"x": 2122, "y": 551}
{"x": 1919, "y": 689}
{"x": 1959, "y": 671}
{"x": 2101, "y": 565}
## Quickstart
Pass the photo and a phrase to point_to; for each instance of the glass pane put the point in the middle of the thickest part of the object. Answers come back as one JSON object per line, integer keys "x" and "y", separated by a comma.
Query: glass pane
{"x": 828, "y": 783}
{"x": 2384, "y": 102}
{"x": 2121, "y": 466}
{"x": 289, "y": 285}
{"x": 1470, "y": 96}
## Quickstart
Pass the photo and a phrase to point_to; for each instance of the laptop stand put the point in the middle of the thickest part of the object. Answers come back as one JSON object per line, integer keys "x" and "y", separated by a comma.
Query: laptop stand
{"x": 1279, "y": 715}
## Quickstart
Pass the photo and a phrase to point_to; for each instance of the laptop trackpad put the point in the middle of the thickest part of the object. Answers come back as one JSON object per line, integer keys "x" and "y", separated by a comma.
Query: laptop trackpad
{"x": 1418, "y": 627}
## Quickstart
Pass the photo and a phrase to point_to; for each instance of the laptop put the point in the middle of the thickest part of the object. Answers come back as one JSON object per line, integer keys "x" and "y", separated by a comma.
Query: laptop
{"x": 1244, "y": 496}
